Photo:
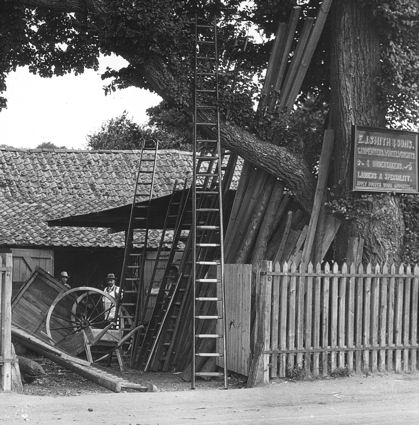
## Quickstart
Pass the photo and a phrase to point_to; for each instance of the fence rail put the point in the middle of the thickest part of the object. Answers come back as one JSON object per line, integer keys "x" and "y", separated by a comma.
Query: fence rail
{"x": 321, "y": 320}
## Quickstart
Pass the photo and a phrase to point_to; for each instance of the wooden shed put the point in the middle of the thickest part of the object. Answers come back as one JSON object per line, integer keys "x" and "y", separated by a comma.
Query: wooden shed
{"x": 38, "y": 185}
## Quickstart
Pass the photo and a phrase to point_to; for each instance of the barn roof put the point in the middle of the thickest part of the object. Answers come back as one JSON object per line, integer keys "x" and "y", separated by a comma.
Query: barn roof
{"x": 37, "y": 185}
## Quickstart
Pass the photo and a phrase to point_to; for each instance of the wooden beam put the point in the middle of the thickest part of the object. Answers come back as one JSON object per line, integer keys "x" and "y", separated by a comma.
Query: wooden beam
{"x": 278, "y": 256}
{"x": 308, "y": 52}
{"x": 6, "y": 353}
{"x": 291, "y": 27}
{"x": 259, "y": 364}
{"x": 273, "y": 64}
{"x": 327, "y": 227}
{"x": 295, "y": 63}
{"x": 325, "y": 156}
{"x": 268, "y": 223}
{"x": 251, "y": 230}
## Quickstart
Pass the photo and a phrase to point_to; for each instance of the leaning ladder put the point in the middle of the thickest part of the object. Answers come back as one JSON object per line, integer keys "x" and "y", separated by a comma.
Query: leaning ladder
{"x": 149, "y": 336}
{"x": 207, "y": 222}
{"x": 136, "y": 240}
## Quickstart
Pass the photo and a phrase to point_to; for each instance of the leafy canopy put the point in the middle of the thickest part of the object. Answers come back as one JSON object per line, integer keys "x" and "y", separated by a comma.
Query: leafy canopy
{"x": 52, "y": 42}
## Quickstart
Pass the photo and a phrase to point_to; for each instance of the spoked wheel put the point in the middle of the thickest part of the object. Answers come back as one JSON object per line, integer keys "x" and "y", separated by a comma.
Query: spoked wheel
{"x": 81, "y": 318}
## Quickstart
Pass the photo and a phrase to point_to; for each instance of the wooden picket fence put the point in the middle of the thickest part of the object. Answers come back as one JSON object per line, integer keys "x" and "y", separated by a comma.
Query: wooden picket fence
{"x": 324, "y": 320}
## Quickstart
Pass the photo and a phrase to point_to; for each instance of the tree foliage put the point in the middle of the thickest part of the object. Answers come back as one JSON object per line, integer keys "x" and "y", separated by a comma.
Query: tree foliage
{"x": 122, "y": 133}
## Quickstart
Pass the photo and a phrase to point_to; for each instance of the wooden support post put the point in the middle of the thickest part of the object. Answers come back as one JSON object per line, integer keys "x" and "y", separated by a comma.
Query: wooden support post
{"x": 266, "y": 227}
{"x": 325, "y": 156}
{"x": 6, "y": 353}
{"x": 273, "y": 64}
{"x": 292, "y": 25}
{"x": 308, "y": 52}
{"x": 296, "y": 61}
{"x": 251, "y": 230}
{"x": 259, "y": 366}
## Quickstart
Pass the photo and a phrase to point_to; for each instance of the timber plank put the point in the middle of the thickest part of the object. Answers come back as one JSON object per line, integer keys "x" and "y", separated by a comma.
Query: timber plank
{"x": 342, "y": 315}
{"x": 413, "y": 323}
{"x": 406, "y": 321}
{"x": 325, "y": 319}
{"x": 374, "y": 319}
{"x": 383, "y": 319}
{"x": 350, "y": 342}
{"x": 367, "y": 318}
{"x": 334, "y": 316}
{"x": 398, "y": 317}
{"x": 283, "y": 319}
{"x": 390, "y": 317}
{"x": 316, "y": 320}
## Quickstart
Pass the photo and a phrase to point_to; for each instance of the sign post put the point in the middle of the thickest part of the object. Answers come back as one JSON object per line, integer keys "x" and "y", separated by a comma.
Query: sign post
{"x": 385, "y": 160}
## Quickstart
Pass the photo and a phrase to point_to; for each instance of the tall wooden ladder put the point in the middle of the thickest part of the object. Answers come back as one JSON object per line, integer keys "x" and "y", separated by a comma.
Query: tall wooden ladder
{"x": 136, "y": 241}
{"x": 207, "y": 212}
{"x": 173, "y": 343}
{"x": 162, "y": 264}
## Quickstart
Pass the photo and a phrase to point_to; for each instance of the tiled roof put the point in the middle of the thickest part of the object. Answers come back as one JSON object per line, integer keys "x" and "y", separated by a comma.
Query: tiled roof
{"x": 39, "y": 185}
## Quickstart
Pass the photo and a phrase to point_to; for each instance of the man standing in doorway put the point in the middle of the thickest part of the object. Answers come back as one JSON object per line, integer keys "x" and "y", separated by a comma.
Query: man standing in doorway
{"x": 114, "y": 291}
{"x": 64, "y": 279}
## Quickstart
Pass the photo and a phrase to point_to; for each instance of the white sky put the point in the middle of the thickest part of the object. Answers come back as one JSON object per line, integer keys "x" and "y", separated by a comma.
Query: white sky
{"x": 64, "y": 110}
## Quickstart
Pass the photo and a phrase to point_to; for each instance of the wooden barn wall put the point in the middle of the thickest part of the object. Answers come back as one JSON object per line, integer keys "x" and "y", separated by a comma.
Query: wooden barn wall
{"x": 25, "y": 261}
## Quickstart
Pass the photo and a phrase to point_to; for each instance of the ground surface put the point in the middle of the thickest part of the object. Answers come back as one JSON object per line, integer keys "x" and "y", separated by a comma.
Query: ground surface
{"x": 59, "y": 381}
{"x": 380, "y": 400}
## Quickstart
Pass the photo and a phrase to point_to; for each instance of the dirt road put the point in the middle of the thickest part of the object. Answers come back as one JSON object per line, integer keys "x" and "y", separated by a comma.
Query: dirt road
{"x": 381, "y": 400}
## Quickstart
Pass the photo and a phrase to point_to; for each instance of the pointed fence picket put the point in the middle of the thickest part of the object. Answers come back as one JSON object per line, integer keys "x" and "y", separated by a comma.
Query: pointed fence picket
{"x": 327, "y": 319}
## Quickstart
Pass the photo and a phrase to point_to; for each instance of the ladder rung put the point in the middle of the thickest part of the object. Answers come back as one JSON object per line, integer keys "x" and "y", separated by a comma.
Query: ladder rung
{"x": 207, "y": 245}
{"x": 207, "y": 140}
{"x": 207, "y": 227}
{"x": 207, "y": 174}
{"x": 208, "y": 336}
{"x": 130, "y": 304}
{"x": 207, "y": 158}
{"x": 207, "y": 299}
{"x": 208, "y": 58}
{"x": 208, "y": 317}
{"x": 206, "y": 280}
{"x": 207, "y": 192}
{"x": 207, "y": 263}
{"x": 207, "y": 210}
{"x": 208, "y": 355}
{"x": 206, "y": 123}
{"x": 209, "y": 374}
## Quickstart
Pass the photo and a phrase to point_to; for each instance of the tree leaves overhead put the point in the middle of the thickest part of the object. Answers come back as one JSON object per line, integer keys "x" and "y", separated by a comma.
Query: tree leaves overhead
{"x": 161, "y": 31}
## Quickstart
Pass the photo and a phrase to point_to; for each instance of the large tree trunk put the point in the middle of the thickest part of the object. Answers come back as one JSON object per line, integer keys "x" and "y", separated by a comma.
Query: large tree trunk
{"x": 355, "y": 67}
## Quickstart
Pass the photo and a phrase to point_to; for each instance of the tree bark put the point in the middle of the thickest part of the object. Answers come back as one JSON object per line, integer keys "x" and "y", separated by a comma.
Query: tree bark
{"x": 355, "y": 67}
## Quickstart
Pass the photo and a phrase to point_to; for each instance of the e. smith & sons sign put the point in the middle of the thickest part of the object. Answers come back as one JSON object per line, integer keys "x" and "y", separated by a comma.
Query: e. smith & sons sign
{"x": 385, "y": 160}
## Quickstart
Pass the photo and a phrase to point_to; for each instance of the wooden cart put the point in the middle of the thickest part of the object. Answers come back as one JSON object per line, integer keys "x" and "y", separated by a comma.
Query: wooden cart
{"x": 72, "y": 320}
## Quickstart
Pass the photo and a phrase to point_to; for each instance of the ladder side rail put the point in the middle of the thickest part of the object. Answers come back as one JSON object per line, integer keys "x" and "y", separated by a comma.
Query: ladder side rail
{"x": 221, "y": 224}
{"x": 140, "y": 305}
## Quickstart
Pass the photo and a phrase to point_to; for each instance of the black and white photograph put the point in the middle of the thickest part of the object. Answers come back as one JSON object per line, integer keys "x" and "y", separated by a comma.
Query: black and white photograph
{"x": 209, "y": 212}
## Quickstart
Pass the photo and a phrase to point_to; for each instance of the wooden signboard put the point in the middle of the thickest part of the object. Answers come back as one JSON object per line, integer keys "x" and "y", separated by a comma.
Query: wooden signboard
{"x": 385, "y": 160}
